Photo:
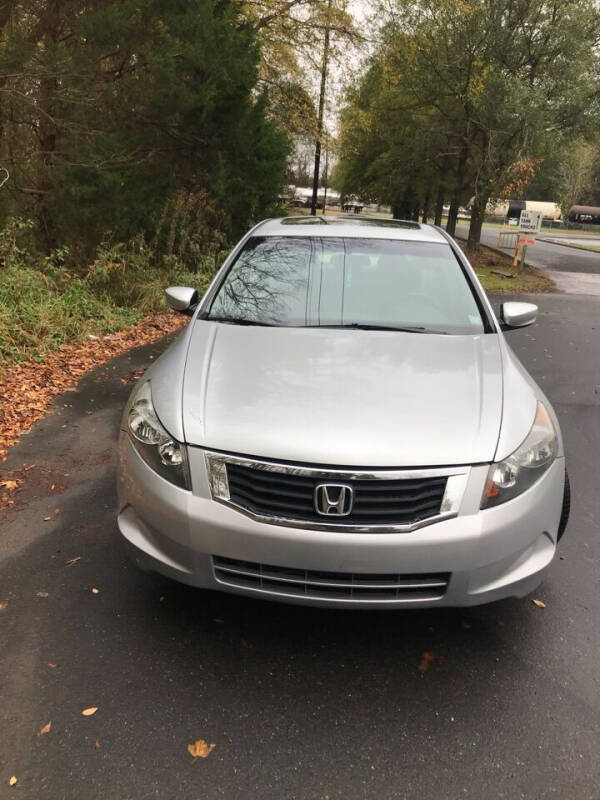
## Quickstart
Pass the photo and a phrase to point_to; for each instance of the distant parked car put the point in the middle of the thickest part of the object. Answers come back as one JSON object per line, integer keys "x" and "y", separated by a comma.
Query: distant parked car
{"x": 342, "y": 423}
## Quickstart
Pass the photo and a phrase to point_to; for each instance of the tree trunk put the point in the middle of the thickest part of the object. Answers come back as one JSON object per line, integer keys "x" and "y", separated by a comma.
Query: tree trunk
{"x": 439, "y": 203}
{"x": 47, "y": 135}
{"x": 403, "y": 209}
{"x": 315, "y": 189}
{"x": 452, "y": 215}
{"x": 477, "y": 215}
{"x": 426, "y": 203}
{"x": 441, "y": 193}
{"x": 459, "y": 183}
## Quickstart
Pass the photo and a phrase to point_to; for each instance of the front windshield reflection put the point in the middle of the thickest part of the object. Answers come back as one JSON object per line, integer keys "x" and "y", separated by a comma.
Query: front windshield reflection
{"x": 313, "y": 281}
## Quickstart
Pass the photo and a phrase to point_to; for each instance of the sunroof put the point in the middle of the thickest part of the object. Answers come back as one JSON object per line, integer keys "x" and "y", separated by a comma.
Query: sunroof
{"x": 305, "y": 221}
{"x": 384, "y": 222}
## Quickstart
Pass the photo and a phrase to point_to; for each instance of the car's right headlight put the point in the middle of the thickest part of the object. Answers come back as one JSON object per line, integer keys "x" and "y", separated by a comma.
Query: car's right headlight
{"x": 514, "y": 475}
{"x": 156, "y": 446}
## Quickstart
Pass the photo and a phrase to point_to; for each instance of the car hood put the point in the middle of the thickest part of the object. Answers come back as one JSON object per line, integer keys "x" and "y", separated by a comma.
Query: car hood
{"x": 343, "y": 397}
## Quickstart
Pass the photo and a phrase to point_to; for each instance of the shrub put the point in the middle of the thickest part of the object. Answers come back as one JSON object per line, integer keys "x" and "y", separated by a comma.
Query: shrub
{"x": 43, "y": 303}
{"x": 128, "y": 275}
{"x": 38, "y": 313}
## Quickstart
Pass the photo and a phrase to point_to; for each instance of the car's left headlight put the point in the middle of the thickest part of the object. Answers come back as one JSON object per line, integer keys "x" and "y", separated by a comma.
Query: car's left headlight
{"x": 156, "y": 446}
{"x": 514, "y": 475}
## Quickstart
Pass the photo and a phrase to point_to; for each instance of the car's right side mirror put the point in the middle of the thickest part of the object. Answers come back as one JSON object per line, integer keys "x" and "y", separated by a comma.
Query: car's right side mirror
{"x": 518, "y": 315}
{"x": 182, "y": 298}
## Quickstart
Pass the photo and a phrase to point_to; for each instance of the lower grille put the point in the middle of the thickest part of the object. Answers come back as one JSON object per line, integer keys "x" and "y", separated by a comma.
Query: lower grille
{"x": 315, "y": 584}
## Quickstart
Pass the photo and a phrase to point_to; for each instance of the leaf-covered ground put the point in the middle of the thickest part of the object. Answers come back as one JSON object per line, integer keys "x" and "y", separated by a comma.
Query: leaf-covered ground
{"x": 27, "y": 390}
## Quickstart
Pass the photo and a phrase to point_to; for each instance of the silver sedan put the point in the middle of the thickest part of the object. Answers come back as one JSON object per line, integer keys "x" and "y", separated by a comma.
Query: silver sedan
{"x": 342, "y": 423}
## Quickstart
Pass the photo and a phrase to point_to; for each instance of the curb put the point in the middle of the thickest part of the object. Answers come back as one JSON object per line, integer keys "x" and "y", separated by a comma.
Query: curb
{"x": 570, "y": 246}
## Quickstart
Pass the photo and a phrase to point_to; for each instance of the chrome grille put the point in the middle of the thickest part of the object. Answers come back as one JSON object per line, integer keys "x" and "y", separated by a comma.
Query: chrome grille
{"x": 315, "y": 584}
{"x": 402, "y": 501}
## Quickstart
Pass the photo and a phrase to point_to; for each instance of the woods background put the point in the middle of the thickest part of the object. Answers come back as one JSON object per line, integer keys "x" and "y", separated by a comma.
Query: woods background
{"x": 138, "y": 140}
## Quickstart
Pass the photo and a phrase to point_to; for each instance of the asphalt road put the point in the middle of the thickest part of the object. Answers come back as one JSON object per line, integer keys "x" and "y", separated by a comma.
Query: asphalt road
{"x": 545, "y": 254}
{"x": 300, "y": 703}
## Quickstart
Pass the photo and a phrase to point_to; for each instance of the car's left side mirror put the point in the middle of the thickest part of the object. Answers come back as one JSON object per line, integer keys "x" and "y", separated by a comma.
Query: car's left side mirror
{"x": 182, "y": 298}
{"x": 518, "y": 315}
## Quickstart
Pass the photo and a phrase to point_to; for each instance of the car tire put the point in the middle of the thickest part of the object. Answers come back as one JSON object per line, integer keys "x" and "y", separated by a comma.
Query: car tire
{"x": 566, "y": 508}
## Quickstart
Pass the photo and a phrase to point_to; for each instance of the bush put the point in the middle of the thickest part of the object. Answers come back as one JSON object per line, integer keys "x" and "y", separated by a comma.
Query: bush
{"x": 44, "y": 304}
{"x": 38, "y": 313}
{"x": 127, "y": 275}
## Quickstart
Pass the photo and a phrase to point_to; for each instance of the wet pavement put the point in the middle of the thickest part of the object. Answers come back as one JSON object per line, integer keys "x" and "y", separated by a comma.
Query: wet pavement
{"x": 299, "y": 702}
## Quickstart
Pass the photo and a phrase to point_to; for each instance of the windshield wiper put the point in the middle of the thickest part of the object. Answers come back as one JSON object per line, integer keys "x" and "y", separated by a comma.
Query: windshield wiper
{"x": 240, "y": 321}
{"x": 365, "y": 326}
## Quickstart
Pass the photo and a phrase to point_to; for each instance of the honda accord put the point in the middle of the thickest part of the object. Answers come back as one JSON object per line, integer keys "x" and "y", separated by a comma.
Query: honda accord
{"x": 343, "y": 423}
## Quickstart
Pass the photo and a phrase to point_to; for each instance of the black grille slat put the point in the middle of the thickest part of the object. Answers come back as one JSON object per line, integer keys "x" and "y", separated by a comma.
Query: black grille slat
{"x": 407, "y": 490}
{"x": 273, "y": 478}
{"x": 280, "y": 505}
{"x": 341, "y": 585}
{"x": 374, "y": 509}
{"x": 366, "y": 499}
{"x": 376, "y": 501}
{"x": 244, "y": 483}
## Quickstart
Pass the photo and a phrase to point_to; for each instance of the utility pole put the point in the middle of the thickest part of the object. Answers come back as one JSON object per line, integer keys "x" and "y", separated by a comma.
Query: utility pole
{"x": 315, "y": 191}
{"x": 326, "y": 177}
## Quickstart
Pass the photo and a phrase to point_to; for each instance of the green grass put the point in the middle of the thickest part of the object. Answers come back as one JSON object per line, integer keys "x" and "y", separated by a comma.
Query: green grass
{"x": 591, "y": 247}
{"x": 38, "y": 313}
{"x": 529, "y": 282}
{"x": 487, "y": 263}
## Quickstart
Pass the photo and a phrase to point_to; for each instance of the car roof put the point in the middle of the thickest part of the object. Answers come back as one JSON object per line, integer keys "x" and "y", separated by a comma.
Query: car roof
{"x": 351, "y": 226}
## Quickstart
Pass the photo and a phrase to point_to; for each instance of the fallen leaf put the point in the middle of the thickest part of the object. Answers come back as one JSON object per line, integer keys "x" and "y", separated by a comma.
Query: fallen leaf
{"x": 47, "y": 519}
{"x": 96, "y": 744}
{"x": 72, "y": 561}
{"x": 539, "y": 603}
{"x": 27, "y": 390}
{"x": 199, "y": 749}
{"x": 3, "y": 603}
{"x": 427, "y": 659}
{"x": 95, "y": 591}
{"x": 51, "y": 664}
{"x": 13, "y": 781}
{"x": 46, "y": 729}
{"x": 9, "y": 485}
{"x": 87, "y": 712}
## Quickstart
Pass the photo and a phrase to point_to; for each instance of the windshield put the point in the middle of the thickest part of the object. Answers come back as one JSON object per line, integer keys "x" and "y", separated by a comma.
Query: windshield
{"x": 348, "y": 282}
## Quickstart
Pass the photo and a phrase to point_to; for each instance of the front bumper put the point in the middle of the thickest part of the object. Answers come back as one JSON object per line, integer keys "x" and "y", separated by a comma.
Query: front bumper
{"x": 492, "y": 554}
